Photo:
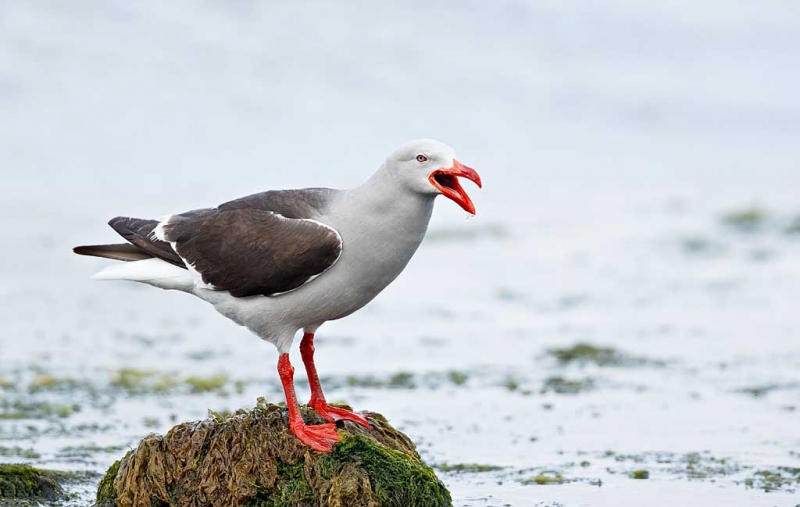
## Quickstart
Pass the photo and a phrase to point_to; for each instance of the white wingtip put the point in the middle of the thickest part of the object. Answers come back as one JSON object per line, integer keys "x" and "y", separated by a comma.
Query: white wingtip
{"x": 110, "y": 273}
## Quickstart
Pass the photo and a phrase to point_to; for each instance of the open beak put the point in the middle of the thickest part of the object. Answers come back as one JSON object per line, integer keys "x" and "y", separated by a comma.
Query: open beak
{"x": 446, "y": 181}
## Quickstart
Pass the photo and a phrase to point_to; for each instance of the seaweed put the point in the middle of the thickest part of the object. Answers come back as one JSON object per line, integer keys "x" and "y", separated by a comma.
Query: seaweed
{"x": 585, "y": 353}
{"x": 26, "y": 483}
{"x": 248, "y": 458}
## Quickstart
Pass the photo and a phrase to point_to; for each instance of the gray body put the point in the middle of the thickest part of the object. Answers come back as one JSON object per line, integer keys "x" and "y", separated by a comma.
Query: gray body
{"x": 381, "y": 226}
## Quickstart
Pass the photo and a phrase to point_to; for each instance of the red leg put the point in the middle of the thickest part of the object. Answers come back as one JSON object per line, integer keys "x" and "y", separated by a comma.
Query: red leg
{"x": 317, "y": 401}
{"x": 319, "y": 437}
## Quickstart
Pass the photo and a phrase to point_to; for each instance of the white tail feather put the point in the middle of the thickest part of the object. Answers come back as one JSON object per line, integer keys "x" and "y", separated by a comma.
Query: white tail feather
{"x": 154, "y": 272}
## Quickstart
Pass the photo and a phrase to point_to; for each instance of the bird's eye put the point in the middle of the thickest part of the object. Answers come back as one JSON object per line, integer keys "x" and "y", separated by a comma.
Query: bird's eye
{"x": 421, "y": 158}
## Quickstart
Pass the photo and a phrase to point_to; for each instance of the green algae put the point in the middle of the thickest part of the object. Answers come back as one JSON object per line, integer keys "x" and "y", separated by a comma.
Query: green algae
{"x": 291, "y": 488}
{"x": 511, "y": 383}
{"x": 745, "y": 220}
{"x": 545, "y": 479}
{"x": 458, "y": 378}
{"x": 105, "y": 490}
{"x": 46, "y": 382}
{"x": 561, "y": 385}
{"x": 151, "y": 422}
{"x": 26, "y": 483}
{"x": 761, "y": 391}
{"x": 364, "y": 381}
{"x": 639, "y": 474}
{"x": 467, "y": 467}
{"x": 87, "y": 450}
{"x": 399, "y": 380}
{"x": 585, "y": 353}
{"x": 397, "y": 479}
{"x": 18, "y": 452}
{"x": 35, "y": 410}
{"x": 402, "y": 380}
{"x": 778, "y": 479}
{"x": 248, "y": 458}
{"x": 135, "y": 381}
{"x": 693, "y": 466}
{"x": 208, "y": 384}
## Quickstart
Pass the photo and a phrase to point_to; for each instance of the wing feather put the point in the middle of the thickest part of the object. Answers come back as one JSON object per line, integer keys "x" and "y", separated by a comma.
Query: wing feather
{"x": 252, "y": 251}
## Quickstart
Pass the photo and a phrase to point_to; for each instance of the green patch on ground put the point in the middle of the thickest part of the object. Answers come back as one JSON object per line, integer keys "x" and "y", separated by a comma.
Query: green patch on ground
{"x": 135, "y": 381}
{"x": 23, "y": 483}
{"x": 561, "y": 385}
{"x": 511, "y": 383}
{"x": 545, "y": 479}
{"x": 745, "y": 220}
{"x": 693, "y": 465}
{"x": 586, "y": 353}
{"x": 639, "y": 474}
{"x": 87, "y": 450}
{"x": 367, "y": 381}
{"x": 467, "y": 467}
{"x": 18, "y": 452}
{"x": 46, "y": 382}
{"x": 778, "y": 479}
{"x": 208, "y": 384}
{"x": 399, "y": 380}
{"x": 35, "y": 410}
{"x": 458, "y": 378}
{"x": 6, "y": 384}
{"x": 402, "y": 380}
{"x": 760, "y": 391}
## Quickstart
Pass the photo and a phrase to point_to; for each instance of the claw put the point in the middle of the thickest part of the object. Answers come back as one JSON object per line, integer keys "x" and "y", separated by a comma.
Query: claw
{"x": 320, "y": 437}
{"x": 333, "y": 414}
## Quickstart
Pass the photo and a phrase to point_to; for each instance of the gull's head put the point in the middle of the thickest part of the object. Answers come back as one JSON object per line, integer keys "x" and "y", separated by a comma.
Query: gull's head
{"x": 427, "y": 166}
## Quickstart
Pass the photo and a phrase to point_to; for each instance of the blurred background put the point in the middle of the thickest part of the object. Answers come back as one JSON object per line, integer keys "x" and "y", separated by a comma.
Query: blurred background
{"x": 625, "y": 299}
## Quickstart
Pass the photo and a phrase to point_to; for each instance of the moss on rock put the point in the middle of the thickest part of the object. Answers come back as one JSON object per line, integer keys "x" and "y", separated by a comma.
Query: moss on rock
{"x": 20, "y": 483}
{"x": 250, "y": 459}
{"x": 105, "y": 490}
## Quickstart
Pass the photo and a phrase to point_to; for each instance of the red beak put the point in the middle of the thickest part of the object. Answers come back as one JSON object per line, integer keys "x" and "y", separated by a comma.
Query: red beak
{"x": 446, "y": 181}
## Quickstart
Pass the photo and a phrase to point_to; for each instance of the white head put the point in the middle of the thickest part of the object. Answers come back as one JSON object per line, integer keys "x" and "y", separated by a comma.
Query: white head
{"x": 427, "y": 166}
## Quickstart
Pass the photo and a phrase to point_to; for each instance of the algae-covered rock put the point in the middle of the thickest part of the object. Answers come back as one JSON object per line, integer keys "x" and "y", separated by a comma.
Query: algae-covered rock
{"x": 249, "y": 458}
{"x": 20, "y": 484}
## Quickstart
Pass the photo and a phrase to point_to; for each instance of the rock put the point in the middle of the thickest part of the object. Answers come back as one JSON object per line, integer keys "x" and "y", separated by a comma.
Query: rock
{"x": 249, "y": 458}
{"x": 26, "y": 485}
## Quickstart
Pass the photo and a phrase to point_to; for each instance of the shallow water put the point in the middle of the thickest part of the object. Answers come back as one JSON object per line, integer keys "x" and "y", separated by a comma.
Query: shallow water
{"x": 608, "y": 169}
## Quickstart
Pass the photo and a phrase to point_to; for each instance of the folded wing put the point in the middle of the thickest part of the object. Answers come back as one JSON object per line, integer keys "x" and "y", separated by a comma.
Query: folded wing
{"x": 251, "y": 251}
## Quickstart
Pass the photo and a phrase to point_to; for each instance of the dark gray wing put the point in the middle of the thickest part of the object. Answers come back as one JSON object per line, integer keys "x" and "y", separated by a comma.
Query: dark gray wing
{"x": 251, "y": 251}
{"x": 265, "y": 243}
{"x": 301, "y": 203}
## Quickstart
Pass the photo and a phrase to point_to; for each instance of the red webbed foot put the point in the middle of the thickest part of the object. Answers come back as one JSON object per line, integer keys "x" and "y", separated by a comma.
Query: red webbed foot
{"x": 333, "y": 414}
{"x": 320, "y": 437}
